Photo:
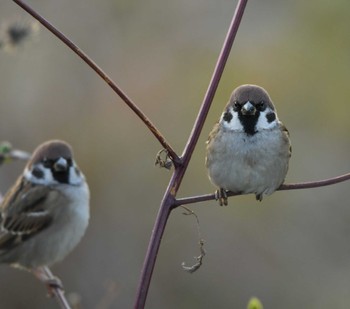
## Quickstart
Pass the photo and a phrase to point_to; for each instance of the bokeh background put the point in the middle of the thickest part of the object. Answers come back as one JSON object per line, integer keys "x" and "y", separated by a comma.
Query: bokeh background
{"x": 292, "y": 250}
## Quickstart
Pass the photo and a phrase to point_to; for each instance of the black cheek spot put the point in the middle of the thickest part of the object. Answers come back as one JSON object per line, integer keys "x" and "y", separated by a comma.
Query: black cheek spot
{"x": 38, "y": 173}
{"x": 227, "y": 117}
{"x": 270, "y": 117}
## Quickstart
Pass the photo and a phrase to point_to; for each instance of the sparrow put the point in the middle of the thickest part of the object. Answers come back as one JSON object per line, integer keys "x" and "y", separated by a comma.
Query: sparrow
{"x": 248, "y": 150}
{"x": 46, "y": 212}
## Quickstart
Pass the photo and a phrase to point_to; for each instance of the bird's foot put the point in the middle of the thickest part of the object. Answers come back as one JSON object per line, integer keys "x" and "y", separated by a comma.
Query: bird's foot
{"x": 45, "y": 276}
{"x": 54, "y": 283}
{"x": 259, "y": 197}
{"x": 221, "y": 196}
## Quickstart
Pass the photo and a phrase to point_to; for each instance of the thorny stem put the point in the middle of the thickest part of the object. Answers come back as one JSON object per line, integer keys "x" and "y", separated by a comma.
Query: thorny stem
{"x": 168, "y": 201}
{"x": 175, "y": 158}
{"x": 286, "y": 186}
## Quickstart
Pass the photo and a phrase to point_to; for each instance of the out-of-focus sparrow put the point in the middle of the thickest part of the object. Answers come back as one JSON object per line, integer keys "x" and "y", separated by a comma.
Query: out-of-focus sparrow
{"x": 248, "y": 150}
{"x": 45, "y": 214}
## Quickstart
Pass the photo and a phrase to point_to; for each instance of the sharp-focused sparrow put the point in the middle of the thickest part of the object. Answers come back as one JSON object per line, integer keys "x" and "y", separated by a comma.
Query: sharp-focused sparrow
{"x": 248, "y": 150}
{"x": 45, "y": 214}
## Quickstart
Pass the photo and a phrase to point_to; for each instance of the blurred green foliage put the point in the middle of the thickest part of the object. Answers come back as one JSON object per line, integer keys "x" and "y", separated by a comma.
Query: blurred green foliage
{"x": 255, "y": 303}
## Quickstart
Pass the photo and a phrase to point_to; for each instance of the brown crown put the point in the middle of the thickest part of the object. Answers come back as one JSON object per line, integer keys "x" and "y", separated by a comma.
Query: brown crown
{"x": 252, "y": 93}
{"x": 51, "y": 150}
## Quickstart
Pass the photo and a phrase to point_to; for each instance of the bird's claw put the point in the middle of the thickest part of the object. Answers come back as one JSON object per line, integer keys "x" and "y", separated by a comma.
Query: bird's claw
{"x": 221, "y": 196}
{"x": 53, "y": 284}
{"x": 259, "y": 197}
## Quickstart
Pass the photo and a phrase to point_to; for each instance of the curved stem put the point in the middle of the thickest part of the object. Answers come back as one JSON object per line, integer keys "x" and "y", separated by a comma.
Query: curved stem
{"x": 153, "y": 247}
{"x": 175, "y": 158}
{"x": 168, "y": 202}
{"x": 214, "y": 82}
{"x": 290, "y": 186}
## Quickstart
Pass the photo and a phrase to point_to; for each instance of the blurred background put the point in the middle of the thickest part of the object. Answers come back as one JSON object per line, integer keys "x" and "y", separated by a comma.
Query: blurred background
{"x": 292, "y": 250}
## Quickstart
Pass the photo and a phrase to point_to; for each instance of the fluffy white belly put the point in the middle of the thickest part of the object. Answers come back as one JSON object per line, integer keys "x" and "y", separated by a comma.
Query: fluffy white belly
{"x": 248, "y": 164}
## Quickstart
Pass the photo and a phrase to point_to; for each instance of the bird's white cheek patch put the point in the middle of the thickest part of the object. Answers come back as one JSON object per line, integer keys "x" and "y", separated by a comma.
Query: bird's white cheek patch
{"x": 75, "y": 176}
{"x": 263, "y": 122}
{"x": 234, "y": 124}
{"x": 45, "y": 179}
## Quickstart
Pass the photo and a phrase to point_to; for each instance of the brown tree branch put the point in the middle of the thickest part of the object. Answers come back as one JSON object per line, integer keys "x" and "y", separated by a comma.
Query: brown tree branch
{"x": 168, "y": 202}
{"x": 175, "y": 158}
{"x": 290, "y": 186}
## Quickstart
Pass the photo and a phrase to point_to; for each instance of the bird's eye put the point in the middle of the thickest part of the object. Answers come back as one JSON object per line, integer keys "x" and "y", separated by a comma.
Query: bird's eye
{"x": 260, "y": 105}
{"x": 47, "y": 162}
{"x": 236, "y": 105}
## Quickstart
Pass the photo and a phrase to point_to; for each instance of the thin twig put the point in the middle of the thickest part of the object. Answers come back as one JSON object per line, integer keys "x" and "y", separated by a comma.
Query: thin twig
{"x": 8, "y": 154}
{"x": 214, "y": 82}
{"x": 192, "y": 213}
{"x": 105, "y": 77}
{"x": 287, "y": 186}
{"x": 168, "y": 200}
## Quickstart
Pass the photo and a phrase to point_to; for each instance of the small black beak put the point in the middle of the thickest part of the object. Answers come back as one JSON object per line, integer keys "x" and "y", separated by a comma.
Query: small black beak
{"x": 60, "y": 165}
{"x": 248, "y": 109}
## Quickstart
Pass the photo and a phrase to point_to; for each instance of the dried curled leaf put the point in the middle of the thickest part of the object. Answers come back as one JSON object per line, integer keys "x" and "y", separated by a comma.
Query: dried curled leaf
{"x": 163, "y": 159}
{"x": 198, "y": 264}
{"x": 193, "y": 268}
